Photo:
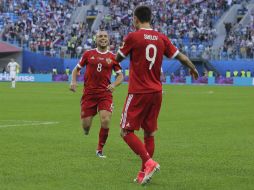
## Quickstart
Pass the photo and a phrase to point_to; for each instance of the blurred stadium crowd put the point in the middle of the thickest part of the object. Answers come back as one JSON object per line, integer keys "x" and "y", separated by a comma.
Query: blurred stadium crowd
{"x": 45, "y": 26}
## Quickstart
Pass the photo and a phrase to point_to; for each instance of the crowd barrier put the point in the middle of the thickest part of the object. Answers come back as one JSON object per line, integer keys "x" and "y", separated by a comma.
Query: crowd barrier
{"x": 236, "y": 81}
{"x": 27, "y": 77}
{"x": 44, "y": 64}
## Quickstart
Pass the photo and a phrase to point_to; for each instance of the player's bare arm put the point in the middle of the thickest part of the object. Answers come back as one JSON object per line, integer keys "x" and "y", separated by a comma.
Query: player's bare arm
{"x": 117, "y": 82}
{"x": 187, "y": 62}
{"x": 73, "y": 85}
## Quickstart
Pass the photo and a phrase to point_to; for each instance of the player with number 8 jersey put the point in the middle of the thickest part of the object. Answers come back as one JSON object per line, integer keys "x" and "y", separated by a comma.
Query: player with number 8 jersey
{"x": 99, "y": 66}
{"x": 98, "y": 89}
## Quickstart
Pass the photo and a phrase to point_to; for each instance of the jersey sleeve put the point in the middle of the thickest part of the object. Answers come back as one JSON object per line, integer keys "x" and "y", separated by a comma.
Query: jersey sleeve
{"x": 128, "y": 44}
{"x": 83, "y": 60}
{"x": 117, "y": 67}
{"x": 170, "y": 50}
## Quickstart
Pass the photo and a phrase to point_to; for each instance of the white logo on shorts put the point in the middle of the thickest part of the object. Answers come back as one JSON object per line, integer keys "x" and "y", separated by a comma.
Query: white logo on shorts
{"x": 112, "y": 107}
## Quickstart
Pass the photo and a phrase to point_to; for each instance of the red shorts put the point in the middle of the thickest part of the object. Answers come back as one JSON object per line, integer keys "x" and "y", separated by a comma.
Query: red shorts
{"x": 141, "y": 110}
{"x": 92, "y": 103}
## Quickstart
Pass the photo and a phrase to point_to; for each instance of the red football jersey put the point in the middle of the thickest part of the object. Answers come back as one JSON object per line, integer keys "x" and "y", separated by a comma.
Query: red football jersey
{"x": 99, "y": 66}
{"x": 146, "y": 48}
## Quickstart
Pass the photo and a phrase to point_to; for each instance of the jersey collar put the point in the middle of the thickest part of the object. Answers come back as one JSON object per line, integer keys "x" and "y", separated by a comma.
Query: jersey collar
{"x": 146, "y": 29}
{"x": 100, "y": 51}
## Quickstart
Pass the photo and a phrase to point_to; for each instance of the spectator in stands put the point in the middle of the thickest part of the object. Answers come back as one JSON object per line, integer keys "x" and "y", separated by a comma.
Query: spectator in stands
{"x": 41, "y": 26}
{"x": 189, "y": 22}
{"x": 239, "y": 43}
{"x": 228, "y": 26}
{"x": 37, "y": 21}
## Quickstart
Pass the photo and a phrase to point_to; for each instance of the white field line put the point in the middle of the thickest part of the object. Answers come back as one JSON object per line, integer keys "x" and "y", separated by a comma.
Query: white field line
{"x": 26, "y": 121}
{"x": 30, "y": 123}
{"x": 207, "y": 92}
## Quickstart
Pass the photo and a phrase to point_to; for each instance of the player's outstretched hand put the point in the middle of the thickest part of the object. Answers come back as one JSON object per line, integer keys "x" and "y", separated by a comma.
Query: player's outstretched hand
{"x": 73, "y": 87}
{"x": 194, "y": 73}
{"x": 111, "y": 87}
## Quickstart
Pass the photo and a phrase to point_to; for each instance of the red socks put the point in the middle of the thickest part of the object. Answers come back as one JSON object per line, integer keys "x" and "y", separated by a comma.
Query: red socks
{"x": 149, "y": 144}
{"x": 103, "y": 135}
{"x": 137, "y": 146}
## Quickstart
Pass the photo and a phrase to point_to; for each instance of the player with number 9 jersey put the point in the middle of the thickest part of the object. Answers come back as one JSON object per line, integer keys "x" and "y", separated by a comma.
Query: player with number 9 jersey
{"x": 146, "y": 48}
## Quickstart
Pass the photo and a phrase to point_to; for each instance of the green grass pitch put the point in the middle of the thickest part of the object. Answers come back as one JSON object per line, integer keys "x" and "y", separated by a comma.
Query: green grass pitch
{"x": 205, "y": 141}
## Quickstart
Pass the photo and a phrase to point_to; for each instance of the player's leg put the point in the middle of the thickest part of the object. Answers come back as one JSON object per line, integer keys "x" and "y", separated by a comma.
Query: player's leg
{"x": 105, "y": 107}
{"x": 149, "y": 145}
{"x": 88, "y": 111}
{"x": 150, "y": 126}
{"x": 149, "y": 167}
{"x": 135, "y": 144}
{"x": 86, "y": 124}
{"x": 149, "y": 142}
{"x": 105, "y": 117}
{"x": 13, "y": 76}
{"x": 13, "y": 83}
{"x": 138, "y": 147}
{"x": 130, "y": 121}
{"x": 132, "y": 116}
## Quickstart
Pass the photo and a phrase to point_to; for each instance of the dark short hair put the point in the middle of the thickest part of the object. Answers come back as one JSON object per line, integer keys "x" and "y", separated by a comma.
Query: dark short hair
{"x": 143, "y": 13}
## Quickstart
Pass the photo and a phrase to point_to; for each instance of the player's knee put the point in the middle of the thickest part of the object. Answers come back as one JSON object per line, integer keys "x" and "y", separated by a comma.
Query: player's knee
{"x": 86, "y": 128}
{"x": 105, "y": 121}
{"x": 124, "y": 132}
{"x": 86, "y": 125}
{"x": 149, "y": 134}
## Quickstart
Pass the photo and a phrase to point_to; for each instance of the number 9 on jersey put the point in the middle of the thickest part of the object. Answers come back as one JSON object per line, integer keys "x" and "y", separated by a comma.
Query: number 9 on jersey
{"x": 153, "y": 57}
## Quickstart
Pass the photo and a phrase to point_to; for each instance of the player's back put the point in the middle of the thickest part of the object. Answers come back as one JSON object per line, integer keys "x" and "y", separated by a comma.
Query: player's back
{"x": 147, "y": 48}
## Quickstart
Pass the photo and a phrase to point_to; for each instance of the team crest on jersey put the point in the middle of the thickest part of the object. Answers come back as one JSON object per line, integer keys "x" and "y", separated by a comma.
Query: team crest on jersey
{"x": 92, "y": 57}
{"x": 108, "y": 60}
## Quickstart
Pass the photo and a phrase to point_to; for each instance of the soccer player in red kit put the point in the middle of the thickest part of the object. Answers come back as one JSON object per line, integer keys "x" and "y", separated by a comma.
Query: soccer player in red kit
{"x": 97, "y": 93}
{"x": 146, "y": 48}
